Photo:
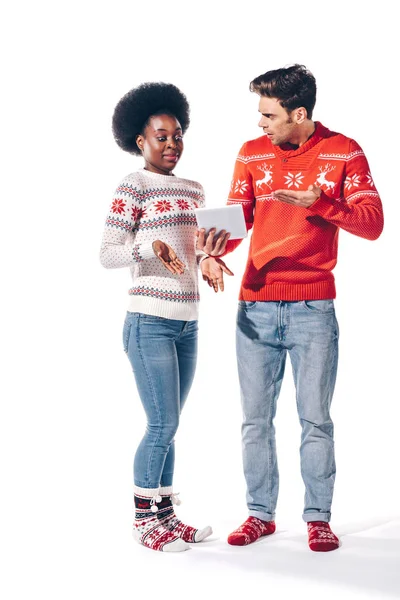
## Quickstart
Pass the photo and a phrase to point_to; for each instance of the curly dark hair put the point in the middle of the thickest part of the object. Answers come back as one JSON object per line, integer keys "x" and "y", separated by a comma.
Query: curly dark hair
{"x": 293, "y": 86}
{"x": 133, "y": 111}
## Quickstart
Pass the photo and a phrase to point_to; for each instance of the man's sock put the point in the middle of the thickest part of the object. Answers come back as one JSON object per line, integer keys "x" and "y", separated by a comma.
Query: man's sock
{"x": 320, "y": 537}
{"x": 170, "y": 521}
{"x": 251, "y": 530}
{"x": 147, "y": 529}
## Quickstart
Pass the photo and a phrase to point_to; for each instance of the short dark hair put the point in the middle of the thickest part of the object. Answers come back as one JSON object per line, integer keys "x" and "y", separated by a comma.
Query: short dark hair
{"x": 293, "y": 86}
{"x": 133, "y": 111}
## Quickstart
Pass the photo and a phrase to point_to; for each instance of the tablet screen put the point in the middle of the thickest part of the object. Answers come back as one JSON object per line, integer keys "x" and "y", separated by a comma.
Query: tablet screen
{"x": 230, "y": 218}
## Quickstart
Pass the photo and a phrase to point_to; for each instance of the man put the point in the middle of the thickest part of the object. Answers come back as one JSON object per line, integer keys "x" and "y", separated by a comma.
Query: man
{"x": 298, "y": 185}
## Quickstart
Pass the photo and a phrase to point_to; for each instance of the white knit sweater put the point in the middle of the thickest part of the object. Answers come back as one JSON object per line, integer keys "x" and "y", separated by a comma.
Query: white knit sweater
{"x": 146, "y": 207}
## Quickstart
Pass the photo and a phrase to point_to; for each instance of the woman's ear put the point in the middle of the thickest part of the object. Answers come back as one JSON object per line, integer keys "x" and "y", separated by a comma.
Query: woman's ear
{"x": 140, "y": 142}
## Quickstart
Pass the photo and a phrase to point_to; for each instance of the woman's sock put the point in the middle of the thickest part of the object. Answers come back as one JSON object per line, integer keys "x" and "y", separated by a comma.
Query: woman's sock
{"x": 148, "y": 529}
{"x": 170, "y": 521}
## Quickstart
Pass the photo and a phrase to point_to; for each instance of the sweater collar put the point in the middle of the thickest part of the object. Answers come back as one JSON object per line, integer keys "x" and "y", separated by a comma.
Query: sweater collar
{"x": 320, "y": 133}
{"x": 158, "y": 176}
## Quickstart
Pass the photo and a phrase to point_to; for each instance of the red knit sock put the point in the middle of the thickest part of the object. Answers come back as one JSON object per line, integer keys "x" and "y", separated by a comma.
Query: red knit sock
{"x": 320, "y": 537}
{"x": 251, "y": 530}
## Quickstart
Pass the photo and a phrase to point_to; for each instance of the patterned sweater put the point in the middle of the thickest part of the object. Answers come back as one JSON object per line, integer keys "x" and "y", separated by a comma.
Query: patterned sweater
{"x": 293, "y": 249}
{"x": 147, "y": 207}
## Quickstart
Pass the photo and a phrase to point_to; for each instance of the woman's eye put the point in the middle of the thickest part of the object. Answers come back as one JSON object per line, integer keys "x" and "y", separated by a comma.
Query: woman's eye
{"x": 177, "y": 138}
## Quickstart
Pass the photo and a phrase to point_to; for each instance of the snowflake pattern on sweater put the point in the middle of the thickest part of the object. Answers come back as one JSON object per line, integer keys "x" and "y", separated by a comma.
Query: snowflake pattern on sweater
{"x": 146, "y": 207}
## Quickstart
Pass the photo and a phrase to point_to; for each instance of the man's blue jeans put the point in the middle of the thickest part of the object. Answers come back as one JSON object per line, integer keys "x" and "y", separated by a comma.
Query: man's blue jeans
{"x": 163, "y": 355}
{"x": 266, "y": 331}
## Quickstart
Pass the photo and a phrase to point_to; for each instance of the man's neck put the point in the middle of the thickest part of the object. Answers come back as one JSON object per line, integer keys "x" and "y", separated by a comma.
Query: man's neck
{"x": 303, "y": 135}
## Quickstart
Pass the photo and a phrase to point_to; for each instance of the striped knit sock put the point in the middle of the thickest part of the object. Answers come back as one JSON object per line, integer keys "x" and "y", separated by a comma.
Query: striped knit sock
{"x": 170, "y": 521}
{"x": 250, "y": 531}
{"x": 147, "y": 529}
{"x": 320, "y": 537}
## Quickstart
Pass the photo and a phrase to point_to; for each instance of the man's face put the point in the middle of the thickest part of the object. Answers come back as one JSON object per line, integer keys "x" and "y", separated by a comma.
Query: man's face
{"x": 277, "y": 124}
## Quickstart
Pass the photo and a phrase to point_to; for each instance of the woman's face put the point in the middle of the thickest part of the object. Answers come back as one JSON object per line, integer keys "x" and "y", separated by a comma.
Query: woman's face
{"x": 161, "y": 144}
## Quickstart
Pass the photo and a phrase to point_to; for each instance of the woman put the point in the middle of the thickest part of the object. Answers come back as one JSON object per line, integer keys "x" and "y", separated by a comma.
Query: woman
{"x": 151, "y": 228}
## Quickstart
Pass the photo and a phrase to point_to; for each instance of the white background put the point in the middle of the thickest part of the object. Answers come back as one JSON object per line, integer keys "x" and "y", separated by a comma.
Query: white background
{"x": 71, "y": 418}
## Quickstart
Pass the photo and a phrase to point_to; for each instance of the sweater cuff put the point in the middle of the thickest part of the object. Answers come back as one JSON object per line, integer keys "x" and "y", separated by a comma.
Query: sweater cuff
{"x": 201, "y": 257}
{"x": 209, "y": 256}
{"x": 143, "y": 252}
{"x": 323, "y": 205}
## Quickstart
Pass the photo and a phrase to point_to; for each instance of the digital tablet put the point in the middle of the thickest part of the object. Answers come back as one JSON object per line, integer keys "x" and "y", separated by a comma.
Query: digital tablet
{"x": 230, "y": 218}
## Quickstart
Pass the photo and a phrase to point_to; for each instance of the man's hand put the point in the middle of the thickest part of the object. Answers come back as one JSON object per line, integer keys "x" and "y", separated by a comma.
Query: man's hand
{"x": 304, "y": 199}
{"x": 213, "y": 270}
{"x": 167, "y": 256}
{"x": 211, "y": 244}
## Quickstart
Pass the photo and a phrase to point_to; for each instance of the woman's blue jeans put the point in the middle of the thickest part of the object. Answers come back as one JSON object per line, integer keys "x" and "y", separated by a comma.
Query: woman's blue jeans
{"x": 163, "y": 355}
{"x": 266, "y": 333}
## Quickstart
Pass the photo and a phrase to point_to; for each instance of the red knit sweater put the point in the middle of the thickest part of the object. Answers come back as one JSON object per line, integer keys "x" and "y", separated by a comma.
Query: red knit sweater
{"x": 293, "y": 250}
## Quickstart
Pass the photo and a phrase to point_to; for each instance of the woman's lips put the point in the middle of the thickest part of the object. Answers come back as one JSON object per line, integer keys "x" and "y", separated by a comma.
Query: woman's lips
{"x": 171, "y": 157}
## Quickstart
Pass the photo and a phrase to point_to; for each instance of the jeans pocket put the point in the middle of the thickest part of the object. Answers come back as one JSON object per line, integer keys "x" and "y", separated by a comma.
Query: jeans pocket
{"x": 246, "y": 304}
{"x": 321, "y": 306}
{"x": 154, "y": 318}
{"x": 126, "y": 333}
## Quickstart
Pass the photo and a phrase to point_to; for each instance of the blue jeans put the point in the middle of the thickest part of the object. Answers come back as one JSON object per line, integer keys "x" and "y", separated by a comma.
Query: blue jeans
{"x": 163, "y": 355}
{"x": 266, "y": 331}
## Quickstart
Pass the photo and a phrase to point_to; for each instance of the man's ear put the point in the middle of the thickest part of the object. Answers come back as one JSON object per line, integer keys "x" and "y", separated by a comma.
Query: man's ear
{"x": 300, "y": 115}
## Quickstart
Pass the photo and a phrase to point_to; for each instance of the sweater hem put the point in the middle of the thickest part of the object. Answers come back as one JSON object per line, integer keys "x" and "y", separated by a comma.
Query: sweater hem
{"x": 162, "y": 308}
{"x": 320, "y": 290}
